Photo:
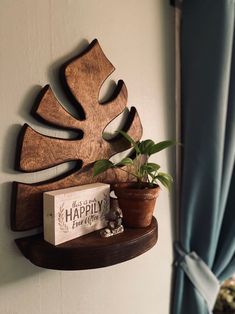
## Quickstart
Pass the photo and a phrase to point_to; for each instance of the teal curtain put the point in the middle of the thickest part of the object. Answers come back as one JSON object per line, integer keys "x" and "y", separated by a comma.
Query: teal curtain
{"x": 207, "y": 211}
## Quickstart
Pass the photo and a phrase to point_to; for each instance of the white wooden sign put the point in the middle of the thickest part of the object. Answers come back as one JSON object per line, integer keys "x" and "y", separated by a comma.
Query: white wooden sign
{"x": 73, "y": 212}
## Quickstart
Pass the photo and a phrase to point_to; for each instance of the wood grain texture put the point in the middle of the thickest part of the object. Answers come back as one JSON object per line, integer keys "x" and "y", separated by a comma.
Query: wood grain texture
{"x": 51, "y": 111}
{"x": 83, "y": 78}
{"x": 89, "y": 251}
{"x": 40, "y": 152}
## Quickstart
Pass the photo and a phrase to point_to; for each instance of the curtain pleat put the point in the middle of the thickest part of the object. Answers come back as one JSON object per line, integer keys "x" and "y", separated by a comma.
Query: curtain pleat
{"x": 207, "y": 211}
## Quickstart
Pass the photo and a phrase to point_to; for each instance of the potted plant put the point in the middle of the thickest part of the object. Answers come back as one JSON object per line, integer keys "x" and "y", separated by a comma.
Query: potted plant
{"x": 137, "y": 199}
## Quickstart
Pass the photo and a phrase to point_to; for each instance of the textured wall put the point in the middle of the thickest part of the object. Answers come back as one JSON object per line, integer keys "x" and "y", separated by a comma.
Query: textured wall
{"x": 35, "y": 37}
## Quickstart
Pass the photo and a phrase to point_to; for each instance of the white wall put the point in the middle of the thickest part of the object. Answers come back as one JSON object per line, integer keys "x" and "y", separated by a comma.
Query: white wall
{"x": 35, "y": 37}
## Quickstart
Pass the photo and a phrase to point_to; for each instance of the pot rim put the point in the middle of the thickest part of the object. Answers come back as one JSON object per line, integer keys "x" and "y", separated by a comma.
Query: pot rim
{"x": 125, "y": 190}
{"x": 131, "y": 186}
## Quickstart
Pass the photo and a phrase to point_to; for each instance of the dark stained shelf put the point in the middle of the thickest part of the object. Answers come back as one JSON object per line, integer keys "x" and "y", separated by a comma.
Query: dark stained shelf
{"x": 89, "y": 251}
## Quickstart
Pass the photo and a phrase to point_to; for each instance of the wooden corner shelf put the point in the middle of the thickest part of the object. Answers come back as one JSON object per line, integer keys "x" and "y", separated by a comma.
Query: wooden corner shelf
{"x": 89, "y": 251}
{"x": 81, "y": 79}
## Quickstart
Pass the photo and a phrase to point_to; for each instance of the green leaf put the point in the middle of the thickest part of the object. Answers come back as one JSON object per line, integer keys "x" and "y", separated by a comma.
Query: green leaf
{"x": 145, "y": 146}
{"x": 130, "y": 140}
{"x": 101, "y": 166}
{"x": 165, "y": 179}
{"x": 167, "y": 175}
{"x": 160, "y": 146}
{"x": 150, "y": 167}
{"x": 153, "y": 166}
{"x": 125, "y": 161}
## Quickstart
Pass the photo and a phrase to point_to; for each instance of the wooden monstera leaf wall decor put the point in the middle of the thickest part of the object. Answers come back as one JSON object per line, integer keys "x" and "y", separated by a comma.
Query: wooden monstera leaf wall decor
{"x": 82, "y": 78}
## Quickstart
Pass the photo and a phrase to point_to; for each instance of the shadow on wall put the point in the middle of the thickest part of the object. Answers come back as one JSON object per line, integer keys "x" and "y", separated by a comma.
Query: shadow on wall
{"x": 13, "y": 265}
{"x": 54, "y": 76}
{"x": 55, "y": 80}
{"x": 167, "y": 44}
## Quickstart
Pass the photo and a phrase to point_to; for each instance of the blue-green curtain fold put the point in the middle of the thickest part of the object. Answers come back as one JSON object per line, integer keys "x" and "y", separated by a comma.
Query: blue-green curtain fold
{"x": 207, "y": 212}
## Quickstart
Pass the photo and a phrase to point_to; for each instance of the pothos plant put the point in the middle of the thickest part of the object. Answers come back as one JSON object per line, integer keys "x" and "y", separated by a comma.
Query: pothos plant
{"x": 139, "y": 165}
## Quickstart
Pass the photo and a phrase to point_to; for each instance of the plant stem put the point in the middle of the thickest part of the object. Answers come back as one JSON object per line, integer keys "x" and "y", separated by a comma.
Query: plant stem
{"x": 128, "y": 173}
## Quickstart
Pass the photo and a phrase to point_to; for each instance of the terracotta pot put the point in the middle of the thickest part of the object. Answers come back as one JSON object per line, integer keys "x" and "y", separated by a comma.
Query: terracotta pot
{"x": 137, "y": 205}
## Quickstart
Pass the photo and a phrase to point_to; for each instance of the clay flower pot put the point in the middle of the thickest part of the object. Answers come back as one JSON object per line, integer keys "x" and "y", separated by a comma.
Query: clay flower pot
{"x": 137, "y": 204}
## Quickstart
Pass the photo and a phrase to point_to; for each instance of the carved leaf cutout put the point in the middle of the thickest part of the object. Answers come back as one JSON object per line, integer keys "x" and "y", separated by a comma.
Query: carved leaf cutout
{"x": 83, "y": 78}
